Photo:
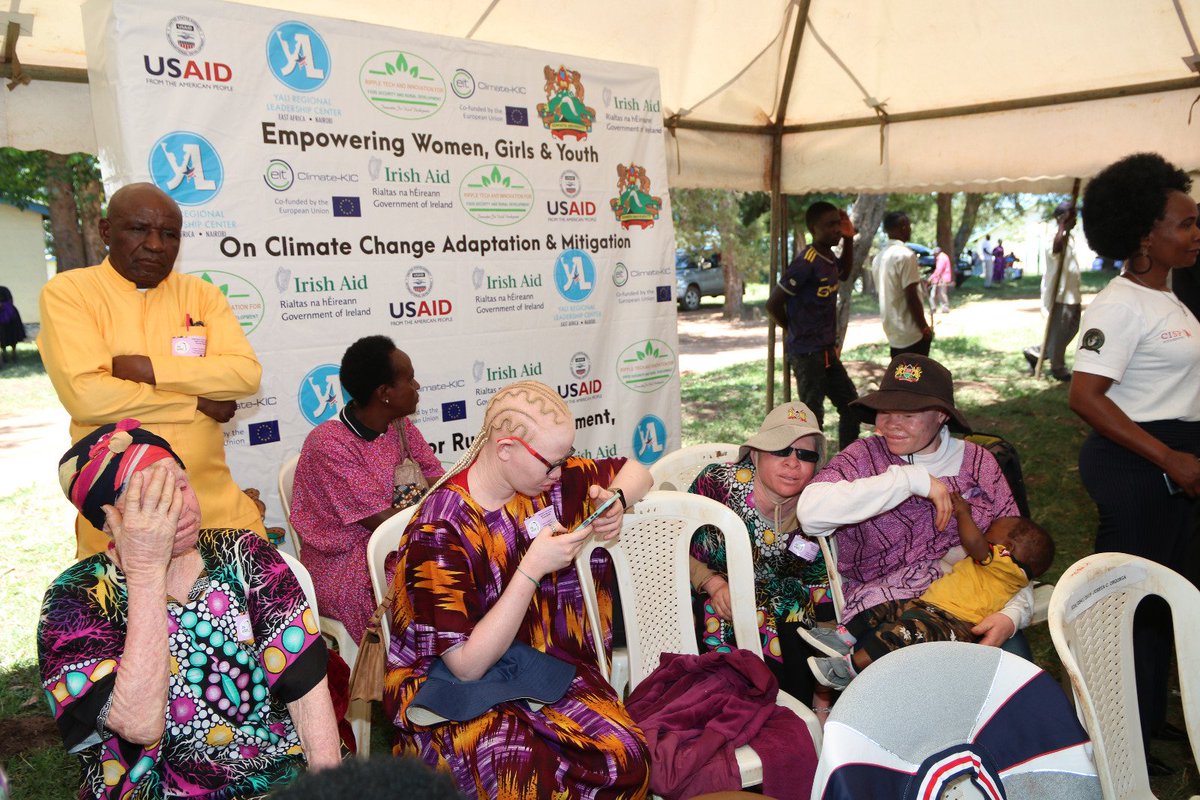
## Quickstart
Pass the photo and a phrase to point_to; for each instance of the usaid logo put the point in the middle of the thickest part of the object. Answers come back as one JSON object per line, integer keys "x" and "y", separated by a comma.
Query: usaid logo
{"x": 570, "y": 184}
{"x": 649, "y": 439}
{"x": 186, "y": 166}
{"x": 321, "y": 395}
{"x": 185, "y": 35}
{"x": 574, "y": 275}
{"x": 419, "y": 281}
{"x": 581, "y": 365}
{"x": 297, "y": 56}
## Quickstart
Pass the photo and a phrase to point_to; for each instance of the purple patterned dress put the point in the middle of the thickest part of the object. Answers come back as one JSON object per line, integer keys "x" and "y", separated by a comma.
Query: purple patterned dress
{"x": 243, "y": 645}
{"x": 895, "y": 555}
{"x": 454, "y": 562}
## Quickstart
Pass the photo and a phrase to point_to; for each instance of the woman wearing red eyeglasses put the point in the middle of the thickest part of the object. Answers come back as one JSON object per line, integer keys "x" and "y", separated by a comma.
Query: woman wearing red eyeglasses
{"x": 791, "y": 586}
{"x": 484, "y": 568}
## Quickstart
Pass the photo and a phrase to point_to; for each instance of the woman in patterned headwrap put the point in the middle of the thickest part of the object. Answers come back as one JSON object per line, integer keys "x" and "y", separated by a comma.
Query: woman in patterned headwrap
{"x": 180, "y": 662}
{"x": 486, "y": 563}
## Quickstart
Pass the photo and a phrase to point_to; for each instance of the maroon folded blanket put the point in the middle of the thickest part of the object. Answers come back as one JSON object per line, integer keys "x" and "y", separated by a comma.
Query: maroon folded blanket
{"x": 695, "y": 710}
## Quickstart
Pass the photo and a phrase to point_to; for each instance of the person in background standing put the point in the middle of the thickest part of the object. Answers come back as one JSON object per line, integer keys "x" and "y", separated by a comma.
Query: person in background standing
{"x": 985, "y": 255}
{"x": 898, "y": 280}
{"x": 999, "y": 263}
{"x": 804, "y": 303}
{"x": 1137, "y": 384}
{"x": 12, "y": 329}
{"x": 940, "y": 281}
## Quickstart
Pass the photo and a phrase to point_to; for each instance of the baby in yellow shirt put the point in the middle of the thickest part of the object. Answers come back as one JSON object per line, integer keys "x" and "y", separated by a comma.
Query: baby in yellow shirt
{"x": 1014, "y": 551}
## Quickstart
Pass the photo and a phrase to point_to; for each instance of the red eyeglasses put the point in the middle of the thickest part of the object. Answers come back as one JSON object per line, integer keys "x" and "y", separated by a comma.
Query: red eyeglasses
{"x": 550, "y": 465}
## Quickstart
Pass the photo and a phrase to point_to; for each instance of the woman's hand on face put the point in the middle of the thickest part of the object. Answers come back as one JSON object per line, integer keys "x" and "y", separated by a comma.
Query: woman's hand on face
{"x": 552, "y": 549}
{"x": 608, "y": 525}
{"x": 943, "y": 506}
{"x": 144, "y": 533}
{"x": 718, "y": 595}
{"x": 1184, "y": 469}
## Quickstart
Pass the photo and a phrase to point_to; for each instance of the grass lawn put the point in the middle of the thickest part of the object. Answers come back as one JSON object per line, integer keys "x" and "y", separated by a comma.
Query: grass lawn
{"x": 725, "y": 405}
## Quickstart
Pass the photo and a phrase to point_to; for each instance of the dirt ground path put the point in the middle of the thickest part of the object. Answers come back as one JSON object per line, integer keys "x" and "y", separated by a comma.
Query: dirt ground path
{"x": 708, "y": 342}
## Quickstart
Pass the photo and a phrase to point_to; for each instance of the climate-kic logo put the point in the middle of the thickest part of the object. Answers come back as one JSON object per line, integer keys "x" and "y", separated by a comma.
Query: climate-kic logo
{"x": 279, "y": 175}
{"x": 186, "y": 166}
{"x": 297, "y": 56}
{"x": 649, "y": 439}
{"x": 321, "y": 395}
{"x": 574, "y": 275}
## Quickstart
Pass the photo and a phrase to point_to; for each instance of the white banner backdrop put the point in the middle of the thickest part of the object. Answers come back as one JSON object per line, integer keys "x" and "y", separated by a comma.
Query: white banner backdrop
{"x": 501, "y": 213}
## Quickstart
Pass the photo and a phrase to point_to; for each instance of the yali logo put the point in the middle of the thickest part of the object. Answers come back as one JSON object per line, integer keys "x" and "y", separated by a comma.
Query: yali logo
{"x": 649, "y": 439}
{"x": 321, "y": 394}
{"x": 574, "y": 275}
{"x": 185, "y": 35}
{"x": 186, "y": 166}
{"x": 297, "y": 56}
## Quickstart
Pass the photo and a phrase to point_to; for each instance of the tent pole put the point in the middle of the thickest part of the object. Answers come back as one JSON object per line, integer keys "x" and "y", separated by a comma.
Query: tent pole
{"x": 779, "y": 230}
{"x": 1058, "y": 279}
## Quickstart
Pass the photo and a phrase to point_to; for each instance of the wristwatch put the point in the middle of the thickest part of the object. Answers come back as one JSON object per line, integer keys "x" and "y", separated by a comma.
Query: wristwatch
{"x": 621, "y": 496}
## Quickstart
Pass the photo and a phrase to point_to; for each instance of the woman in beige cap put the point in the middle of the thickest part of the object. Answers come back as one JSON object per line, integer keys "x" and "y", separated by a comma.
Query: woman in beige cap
{"x": 791, "y": 586}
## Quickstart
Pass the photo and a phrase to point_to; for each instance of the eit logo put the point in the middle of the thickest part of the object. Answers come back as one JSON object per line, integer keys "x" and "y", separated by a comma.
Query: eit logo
{"x": 321, "y": 395}
{"x": 186, "y": 166}
{"x": 574, "y": 275}
{"x": 297, "y": 56}
{"x": 649, "y": 439}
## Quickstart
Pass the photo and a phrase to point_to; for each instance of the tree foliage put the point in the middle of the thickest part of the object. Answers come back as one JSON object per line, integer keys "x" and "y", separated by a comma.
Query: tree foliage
{"x": 70, "y": 187}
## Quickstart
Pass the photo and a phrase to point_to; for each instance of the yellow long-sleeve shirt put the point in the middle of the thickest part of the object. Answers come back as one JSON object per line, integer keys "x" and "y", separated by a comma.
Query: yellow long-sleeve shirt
{"x": 90, "y": 315}
{"x": 972, "y": 591}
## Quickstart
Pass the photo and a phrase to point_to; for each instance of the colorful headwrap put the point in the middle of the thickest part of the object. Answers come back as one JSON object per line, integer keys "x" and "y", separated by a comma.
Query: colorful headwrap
{"x": 94, "y": 472}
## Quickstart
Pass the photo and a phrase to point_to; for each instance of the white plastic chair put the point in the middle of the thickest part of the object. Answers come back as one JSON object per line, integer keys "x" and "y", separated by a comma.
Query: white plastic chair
{"x": 304, "y": 579}
{"x": 287, "y": 478}
{"x": 383, "y": 542}
{"x": 1091, "y": 623}
{"x": 651, "y": 564}
{"x": 359, "y": 713}
{"x": 677, "y": 470}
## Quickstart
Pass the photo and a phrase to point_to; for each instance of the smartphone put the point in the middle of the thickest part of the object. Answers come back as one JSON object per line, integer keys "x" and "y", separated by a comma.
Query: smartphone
{"x": 595, "y": 514}
{"x": 1172, "y": 486}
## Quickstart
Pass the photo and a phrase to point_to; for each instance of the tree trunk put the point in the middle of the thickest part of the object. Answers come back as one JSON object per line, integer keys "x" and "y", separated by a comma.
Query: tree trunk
{"x": 734, "y": 284}
{"x": 945, "y": 222}
{"x": 89, "y": 195}
{"x": 64, "y": 216}
{"x": 867, "y": 216}
{"x": 967, "y": 226}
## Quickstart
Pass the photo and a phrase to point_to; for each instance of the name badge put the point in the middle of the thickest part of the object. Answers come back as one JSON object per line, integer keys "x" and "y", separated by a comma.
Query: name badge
{"x": 243, "y": 628}
{"x": 803, "y": 548}
{"x": 540, "y": 521}
{"x": 189, "y": 345}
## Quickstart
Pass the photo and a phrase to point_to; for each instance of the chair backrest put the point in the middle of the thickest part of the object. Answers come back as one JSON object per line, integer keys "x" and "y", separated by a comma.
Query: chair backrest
{"x": 1091, "y": 623}
{"x": 287, "y": 478}
{"x": 304, "y": 579}
{"x": 921, "y": 717}
{"x": 829, "y": 553}
{"x": 382, "y": 543}
{"x": 651, "y": 562}
{"x": 677, "y": 470}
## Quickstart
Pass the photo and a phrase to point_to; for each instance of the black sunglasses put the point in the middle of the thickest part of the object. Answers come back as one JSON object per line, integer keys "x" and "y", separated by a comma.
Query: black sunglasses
{"x": 811, "y": 456}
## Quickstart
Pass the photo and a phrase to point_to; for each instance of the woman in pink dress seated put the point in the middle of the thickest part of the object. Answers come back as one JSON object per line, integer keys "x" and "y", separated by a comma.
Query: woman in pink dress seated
{"x": 345, "y": 480}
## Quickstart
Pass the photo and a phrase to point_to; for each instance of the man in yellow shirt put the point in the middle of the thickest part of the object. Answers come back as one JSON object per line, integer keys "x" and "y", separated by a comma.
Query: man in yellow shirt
{"x": 132, "y": 338}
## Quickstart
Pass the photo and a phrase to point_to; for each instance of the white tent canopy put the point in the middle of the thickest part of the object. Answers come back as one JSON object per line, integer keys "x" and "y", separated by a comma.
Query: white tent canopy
{"x": 975, "y": 94}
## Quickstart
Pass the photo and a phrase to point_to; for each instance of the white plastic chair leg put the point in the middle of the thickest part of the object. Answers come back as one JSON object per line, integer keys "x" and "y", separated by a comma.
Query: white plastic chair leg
{"x": 359, "y": 713}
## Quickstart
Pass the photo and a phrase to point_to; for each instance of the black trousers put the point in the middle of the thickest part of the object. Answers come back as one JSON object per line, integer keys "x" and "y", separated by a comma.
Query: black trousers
{"x": 1140, "y": 517}
{"x": 919, "y": 347}
{"x": 820, "y": 375}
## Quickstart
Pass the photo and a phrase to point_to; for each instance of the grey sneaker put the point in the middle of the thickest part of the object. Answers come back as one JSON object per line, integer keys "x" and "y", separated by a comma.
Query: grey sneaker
{"x": 830, "y": 641}
{"x": 831, "y": 672}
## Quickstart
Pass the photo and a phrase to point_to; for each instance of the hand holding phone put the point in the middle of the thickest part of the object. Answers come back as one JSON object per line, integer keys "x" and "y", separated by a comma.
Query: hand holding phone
{"x": 596, "y": 514}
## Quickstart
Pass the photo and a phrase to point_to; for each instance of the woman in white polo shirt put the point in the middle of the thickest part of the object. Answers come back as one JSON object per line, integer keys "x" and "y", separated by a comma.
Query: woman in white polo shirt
{"x": 1137, "y": 383}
